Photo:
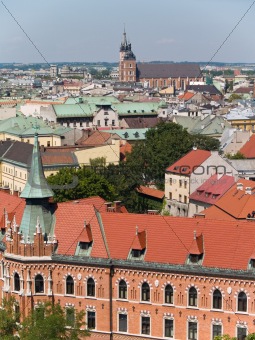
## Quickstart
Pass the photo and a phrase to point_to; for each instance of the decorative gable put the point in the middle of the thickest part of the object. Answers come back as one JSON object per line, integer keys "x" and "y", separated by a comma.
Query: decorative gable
{"x": 196, "y": 250}
{"x": 85, "y": 241}
{"x": 138, "y": 247}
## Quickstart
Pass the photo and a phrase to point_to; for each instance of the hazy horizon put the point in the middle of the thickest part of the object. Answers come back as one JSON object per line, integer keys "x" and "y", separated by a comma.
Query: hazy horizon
{"x": 92, "y": 31}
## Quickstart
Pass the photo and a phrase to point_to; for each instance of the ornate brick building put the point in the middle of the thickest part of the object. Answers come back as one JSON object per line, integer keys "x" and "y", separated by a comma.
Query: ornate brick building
{"x": 136, "y": 276}
{"x": 155, "y": 75}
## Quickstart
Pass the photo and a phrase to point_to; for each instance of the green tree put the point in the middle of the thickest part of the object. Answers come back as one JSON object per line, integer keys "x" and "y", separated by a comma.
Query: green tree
{"x": 234, "y": 96}
{"x": 70, "y": 184}
{"x": 164, "y": 145}
{"x": 50, "y": 322}
{"x": 224, "y": 337}
{"x": 8, "y": 320}
{"x": 237, "y": 155}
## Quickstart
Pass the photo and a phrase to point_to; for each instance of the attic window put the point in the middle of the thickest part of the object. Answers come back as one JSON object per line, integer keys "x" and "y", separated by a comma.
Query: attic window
{"x": 252, "y": 264}
{"x": 134, "y": 111}
{"x": 83, "y": 248}
{"x": 142, "y": 110}
{"x": 128, "y": 111}
{"x": 176, "y": 167}
{"x": 195, "y": 258}
{"x": 137, "y": 254}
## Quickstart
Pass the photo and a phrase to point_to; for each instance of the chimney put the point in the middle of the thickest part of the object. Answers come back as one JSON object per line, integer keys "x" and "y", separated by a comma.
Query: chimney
{"x": 16, "y": 193}
{"x": 239, "y": 186}
{"x": 248, "y": 190}
{"x": 117, "y": 206}
{"x": 152, "y": 212}
{"x": 109, "y": 207}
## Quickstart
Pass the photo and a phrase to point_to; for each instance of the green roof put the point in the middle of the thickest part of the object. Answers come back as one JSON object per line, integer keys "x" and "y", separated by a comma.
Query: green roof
{"x": 100, "y": 100}
{"x": 130, "y": 134}
{"x": 72, "y": 110}
{"x": 134, "y": 109}
{"x": 25, "y": 126}
{"x": 36, "y": 186}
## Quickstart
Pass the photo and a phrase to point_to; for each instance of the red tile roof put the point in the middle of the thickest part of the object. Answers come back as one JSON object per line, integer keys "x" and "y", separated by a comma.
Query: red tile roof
{"x": 139, "y": 242}
{"x": 186, "y": 96}
{"x": 197, "y": 245}
{"x": 211, "y": 190}
{"x": 226, "y": 244}
{"x": 97, "y": 138}
{"x": 70, "y": 221}
{"x": 188, "y": 163}
{"x": 151, "y": 192}
{"x": 124, "y": 149}
{"x": 13, "y": 205}
{"x": 236, "y": 203}
{"x": 248, "y": 149}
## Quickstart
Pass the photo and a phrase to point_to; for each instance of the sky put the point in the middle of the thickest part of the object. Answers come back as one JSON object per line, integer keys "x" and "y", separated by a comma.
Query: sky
{"x": 91, "y": 30}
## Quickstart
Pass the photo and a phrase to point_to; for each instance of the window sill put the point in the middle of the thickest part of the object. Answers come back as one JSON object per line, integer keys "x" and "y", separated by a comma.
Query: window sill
{"x": 39, "y": 294}
{"x": 168, "y": 305}
{"x": 239, "y": 312}
{"x": 70, "y": 295}
{"x": 122, "y": 300}
{"x": 191, "y": 307}
{"x": 146, "y": 302}
{"x": 91, "y": 297}
{"x": 217, "y": 310}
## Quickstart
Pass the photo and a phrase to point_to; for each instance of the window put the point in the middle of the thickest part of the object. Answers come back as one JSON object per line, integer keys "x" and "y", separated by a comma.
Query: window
{"x": 169, "y": 294}
{"x": 90, "y": 287}
{"x": 39, "y": 284}
{"x": 122, "y": 290}
{"x": 113, "y": 122}
{"x": 170, "y": 181}
{"x": 145, "y": 325}
{"x": 16, "y": 282}
{"x": 91, "y": 322}
{"x": 98, "y": 123}
{"x": 180, "y": 183}
{"x": 185, "y": 184}
{"x": 216, "y": 330}
{"x": 70, "y": 317}
{"x": 192, "y": 331}
{"x": 180, "y": 198}
{"x": 170, "y": 195}
{"x": 17, "y": 312}
{"x": 242, "y": 302}
{"x": 145, "y": 292}
{"x": 48, "y": 143}
{"x": 106, "y": 122}
{"x": 217, "y": 299}
{"x": 241, "y": 333}
{"x": 169, "y": 328}
{"x": 69, "y": 285}
{"x": 185, "y": 199}
{"x": 123, "y": 322}
{"x": 193, "y": 297}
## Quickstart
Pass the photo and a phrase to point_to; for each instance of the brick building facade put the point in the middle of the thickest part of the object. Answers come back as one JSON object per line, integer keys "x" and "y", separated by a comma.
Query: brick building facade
{"x": 136, "y": 276}
{"x": 178, "y": 75}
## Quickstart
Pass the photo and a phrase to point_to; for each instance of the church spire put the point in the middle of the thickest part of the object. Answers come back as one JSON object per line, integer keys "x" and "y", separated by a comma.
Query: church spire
{"x": 36, "y": 186}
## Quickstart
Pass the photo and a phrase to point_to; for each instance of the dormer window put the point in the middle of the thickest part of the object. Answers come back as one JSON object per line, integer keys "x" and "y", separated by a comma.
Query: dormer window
{"x": 252, "y": 264}
{"x": 138, "y": 247}
{"x": 84, "y": 245}
{"x": 196, "y": 251}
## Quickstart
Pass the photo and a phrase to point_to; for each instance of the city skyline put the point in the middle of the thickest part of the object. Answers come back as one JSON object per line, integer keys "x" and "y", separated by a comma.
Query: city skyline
{"x": 162, "y": 31}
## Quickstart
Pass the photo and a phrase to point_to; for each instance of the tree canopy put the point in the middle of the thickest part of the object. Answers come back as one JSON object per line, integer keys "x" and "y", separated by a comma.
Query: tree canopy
{"x": 46, "y": 321}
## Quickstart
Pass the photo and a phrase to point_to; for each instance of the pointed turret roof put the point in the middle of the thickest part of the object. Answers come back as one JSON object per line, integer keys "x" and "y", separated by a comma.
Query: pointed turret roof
{"x": 36, "y": 186}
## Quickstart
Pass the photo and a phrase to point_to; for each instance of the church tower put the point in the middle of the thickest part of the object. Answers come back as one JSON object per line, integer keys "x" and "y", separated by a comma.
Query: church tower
{"x": 127, "y": 64}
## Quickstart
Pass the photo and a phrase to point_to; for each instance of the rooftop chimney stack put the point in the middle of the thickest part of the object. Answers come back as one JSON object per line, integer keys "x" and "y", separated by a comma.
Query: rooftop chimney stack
{"x": 239, "y": 186}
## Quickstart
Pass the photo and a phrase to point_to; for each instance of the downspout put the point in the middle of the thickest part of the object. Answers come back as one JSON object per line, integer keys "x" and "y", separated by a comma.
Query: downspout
{"x": 111, "y": 274}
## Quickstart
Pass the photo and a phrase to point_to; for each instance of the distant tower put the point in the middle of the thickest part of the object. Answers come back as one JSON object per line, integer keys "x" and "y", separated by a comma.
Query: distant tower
{"x": 127, "y": 65}
{"x": 53, "y": 71}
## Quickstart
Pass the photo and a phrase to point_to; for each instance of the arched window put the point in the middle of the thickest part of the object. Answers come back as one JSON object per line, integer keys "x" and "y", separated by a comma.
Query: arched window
{"x": 145, "y": 292}
{"x": 16, "y": 282}
{"x": 193, "y": 297}
{"x": 69, "y": 285}
{"x": 90, "y": 287}
{"x": 169, "y": 294}
{"x": 39, "y": 284}
{"x": 242, "y": 302}
{"x": 217, "y": 299}
{"x": 122, "y": 289}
